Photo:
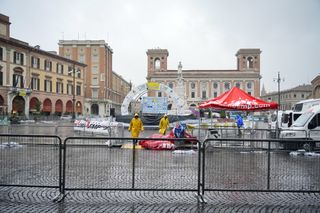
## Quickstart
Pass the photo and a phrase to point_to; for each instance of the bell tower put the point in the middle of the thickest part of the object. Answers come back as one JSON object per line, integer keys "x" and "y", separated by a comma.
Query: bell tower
{"x": 248, "y": 60}
{"x": 157, "y": 61}
{"x": 4, "y": 26}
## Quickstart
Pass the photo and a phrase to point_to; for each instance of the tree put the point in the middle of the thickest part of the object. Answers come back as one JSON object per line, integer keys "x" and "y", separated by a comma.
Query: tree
{"x": 223, "y": 114}
{"x": 38, "y": 106}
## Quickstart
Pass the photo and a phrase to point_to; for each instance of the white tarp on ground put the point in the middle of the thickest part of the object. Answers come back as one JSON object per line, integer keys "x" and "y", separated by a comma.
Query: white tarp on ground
{"x": 302, "y": 152}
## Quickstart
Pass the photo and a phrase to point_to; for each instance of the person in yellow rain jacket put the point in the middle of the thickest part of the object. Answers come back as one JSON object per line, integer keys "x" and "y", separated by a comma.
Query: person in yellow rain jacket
{"x": 135, "y": 126}
{"x": 164, "y": 124}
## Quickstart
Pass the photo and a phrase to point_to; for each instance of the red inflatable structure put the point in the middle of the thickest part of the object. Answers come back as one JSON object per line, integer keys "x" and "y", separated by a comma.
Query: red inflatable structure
{"x": 176, "y": 132}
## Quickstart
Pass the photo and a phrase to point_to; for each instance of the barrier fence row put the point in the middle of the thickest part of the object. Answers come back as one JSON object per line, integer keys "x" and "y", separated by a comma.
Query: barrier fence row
{"x": 90, "y": 163}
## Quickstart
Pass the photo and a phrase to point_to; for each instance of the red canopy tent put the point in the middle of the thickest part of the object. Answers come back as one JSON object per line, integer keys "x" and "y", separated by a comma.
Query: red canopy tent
{"x": 239, "y": 100}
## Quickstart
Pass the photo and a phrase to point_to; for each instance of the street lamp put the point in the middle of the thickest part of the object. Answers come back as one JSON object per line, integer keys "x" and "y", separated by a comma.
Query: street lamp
{"x": 278, "y": 80}
{"x": 74, "y": 72}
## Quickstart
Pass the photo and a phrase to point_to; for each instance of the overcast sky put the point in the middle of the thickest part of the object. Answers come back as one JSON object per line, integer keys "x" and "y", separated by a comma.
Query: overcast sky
{"x": 202, "y": 34}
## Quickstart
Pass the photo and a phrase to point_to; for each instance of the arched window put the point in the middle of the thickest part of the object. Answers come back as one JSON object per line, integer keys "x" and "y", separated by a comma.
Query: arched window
{"x": 157, "y": 64}
{"x": 226, "y": 85}
{"x": 171, "y": 85}
{"x": 47, "y": 106}
{"x": 17, "y": 77}
{"x": 250, "y": 62}
{"x": 249, "y": 85}
{"x": 238, "y": 85}
{"x": 215, "y": 85}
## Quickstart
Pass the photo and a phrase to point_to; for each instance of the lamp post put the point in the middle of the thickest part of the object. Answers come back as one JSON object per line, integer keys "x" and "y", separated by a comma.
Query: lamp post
{"x": 73, "y": 72}
{"x": 278, "y": 80}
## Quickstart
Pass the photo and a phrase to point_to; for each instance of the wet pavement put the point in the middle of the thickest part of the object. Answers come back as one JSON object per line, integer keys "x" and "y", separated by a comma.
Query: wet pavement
{"x": 40, "y": 200}
{"x": 105, "y": 168}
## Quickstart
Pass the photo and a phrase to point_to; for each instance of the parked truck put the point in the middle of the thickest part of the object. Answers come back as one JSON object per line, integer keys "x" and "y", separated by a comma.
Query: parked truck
{"x": 305, "y": 130}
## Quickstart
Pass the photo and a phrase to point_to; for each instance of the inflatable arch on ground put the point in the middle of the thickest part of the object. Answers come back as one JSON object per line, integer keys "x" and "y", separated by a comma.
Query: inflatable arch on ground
{"x": 140, "y": 90}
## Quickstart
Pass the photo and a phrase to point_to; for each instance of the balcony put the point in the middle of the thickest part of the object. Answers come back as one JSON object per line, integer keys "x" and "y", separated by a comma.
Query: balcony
{"x": 20, "y": 91}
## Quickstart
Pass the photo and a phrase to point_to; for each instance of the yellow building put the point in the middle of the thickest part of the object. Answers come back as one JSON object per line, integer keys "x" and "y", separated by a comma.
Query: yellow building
{"x": 33, "y": 80}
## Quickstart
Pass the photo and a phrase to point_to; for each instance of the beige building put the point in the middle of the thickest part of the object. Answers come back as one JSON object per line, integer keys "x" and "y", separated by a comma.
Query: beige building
{"x": 33, "y": 80}
{"x": 201, "y": 85}
{"x": 120, "y": 88}
{"x": 290, "y": 96}
{"x": 316, "y": 87}
{"x": 104, "y": 89}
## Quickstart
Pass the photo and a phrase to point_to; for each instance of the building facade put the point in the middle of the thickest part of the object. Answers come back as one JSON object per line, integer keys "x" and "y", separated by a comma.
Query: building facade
{"x": 290, "y": 96}
{"x": 120, "y": 88}
{"x": 104, "y": 89}
{"x": 33, "y": 80}
{"x": 316, "y": 87}
{"x": 201, "y": 85}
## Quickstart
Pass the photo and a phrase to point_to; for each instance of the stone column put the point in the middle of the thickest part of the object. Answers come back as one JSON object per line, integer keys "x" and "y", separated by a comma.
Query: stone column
{"x": 10, "y": 98}
{"x": 27, "y": 105}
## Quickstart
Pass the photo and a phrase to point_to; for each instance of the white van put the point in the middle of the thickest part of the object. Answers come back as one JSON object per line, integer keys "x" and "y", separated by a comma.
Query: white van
{"x": 306, "y": 128}
{"x": 286, "y": 118}
{"x": 303, "y": 105}
{"x": 280, "y": 119}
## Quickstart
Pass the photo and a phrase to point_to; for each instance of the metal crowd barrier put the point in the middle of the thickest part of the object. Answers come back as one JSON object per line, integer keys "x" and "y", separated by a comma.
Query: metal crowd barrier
{"x": 63, "y": 129}
{"x": 217, "y": 164}
{"x": 226, "y": 166}
{"x": 89, "y": 164}
{"x": 30, "y": 161}
{"x": 230, "y": 132}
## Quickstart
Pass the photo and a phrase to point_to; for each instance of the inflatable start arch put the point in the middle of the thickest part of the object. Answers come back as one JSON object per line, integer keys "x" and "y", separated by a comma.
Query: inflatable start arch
{"x": 140, "y": 90}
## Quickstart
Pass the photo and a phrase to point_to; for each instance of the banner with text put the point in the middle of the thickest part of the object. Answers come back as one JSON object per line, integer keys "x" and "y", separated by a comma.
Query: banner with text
{"x": 155, "y": 105}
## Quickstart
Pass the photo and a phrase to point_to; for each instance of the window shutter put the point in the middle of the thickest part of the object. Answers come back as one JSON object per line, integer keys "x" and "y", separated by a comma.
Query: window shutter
{"x": 14, "y": 80}
{"x": 14, "y": 56}
{"x": 32, "y": 59}
{"x": 21, "y": 60}
{"x": 1, "y": 78}
{"x": 38, "y": 64}
{"x": 50, "y": 64}
{"x": 21, "y": 82}
{"x": 62, "y": 88}
{"x": 50, "y": 86}
{"x": 38, "y": 85}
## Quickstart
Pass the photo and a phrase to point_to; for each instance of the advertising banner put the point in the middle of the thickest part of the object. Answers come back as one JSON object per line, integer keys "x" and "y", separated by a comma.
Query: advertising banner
{"x": 155, "y": 105}
{"x": 154, "y": 86}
